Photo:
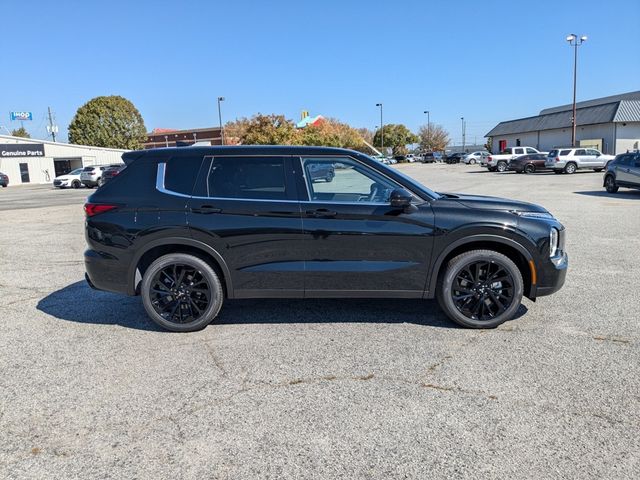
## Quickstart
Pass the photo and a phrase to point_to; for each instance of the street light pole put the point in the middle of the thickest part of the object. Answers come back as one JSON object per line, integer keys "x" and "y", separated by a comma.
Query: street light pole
{"x": 381, "y": 129}
{"x": 575, "y": 42}
{"x": 220, "y": 99}
{"x": 463, "y": 133}
{"x": 429, "y": 129}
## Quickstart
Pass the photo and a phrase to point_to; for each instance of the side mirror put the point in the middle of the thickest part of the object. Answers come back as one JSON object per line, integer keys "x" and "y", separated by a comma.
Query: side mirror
{"x": 400, "y": 198}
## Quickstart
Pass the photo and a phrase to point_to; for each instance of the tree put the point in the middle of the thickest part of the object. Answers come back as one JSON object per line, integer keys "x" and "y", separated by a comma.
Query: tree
{"x": 268, "y": 130}
{"x": 433, "y": 138}
{"x": 21, "y": 132}
{"x": 331, "y": 133}
{"x": 396, "y": 137}
{"x": 235, "y": 129}
{"x": 111, "y": 121}
{"x": 489, "y": 144}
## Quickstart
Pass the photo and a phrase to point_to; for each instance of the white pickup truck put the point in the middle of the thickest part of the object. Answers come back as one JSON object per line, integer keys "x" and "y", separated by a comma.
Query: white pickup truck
{"x": 500, "y": 162}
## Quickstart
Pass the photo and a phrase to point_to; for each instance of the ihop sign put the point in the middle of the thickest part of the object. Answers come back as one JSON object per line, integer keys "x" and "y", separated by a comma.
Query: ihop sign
{"x": 21, "y": 116}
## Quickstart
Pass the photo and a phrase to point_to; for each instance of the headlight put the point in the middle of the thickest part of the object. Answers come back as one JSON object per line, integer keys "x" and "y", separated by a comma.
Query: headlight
{"x": 553, "y": 242}
{"x": 533, "y": 214}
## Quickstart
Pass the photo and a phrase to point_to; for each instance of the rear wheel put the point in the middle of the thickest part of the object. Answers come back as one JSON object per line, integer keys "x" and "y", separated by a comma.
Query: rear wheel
{"x": 570, "y": 168}
{"x": 181, "y": 292}
{"x": 502, "y": 166}
{"x": 610, "y": 184}
{"x": 529, "y": 168}
{"x": 480, "y": 289}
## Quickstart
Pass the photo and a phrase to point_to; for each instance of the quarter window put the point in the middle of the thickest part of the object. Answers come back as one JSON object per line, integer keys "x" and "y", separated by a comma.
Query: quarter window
{"x": 565, "y": 152}
{"x": 345, "y": 180}
{"x": 256, "y": 178}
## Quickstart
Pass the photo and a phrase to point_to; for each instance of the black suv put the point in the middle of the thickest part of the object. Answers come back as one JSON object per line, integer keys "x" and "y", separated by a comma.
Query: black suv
{"x": 188, "y": 227}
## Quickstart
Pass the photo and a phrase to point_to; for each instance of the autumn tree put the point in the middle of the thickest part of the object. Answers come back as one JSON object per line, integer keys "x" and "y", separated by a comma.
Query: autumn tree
{"x": 235, "y": 130}
{"x": 21, "y": 132}
{"x": 111, "y": 121}
{"x": 396, "y": 137}
{"x": 331, "y": 133}
{"x": 268, "y": 130}
{"x": 433, "y": 138}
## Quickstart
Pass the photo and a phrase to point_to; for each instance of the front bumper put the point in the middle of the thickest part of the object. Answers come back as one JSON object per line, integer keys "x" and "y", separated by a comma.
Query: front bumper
{"x": 553, "y": 275}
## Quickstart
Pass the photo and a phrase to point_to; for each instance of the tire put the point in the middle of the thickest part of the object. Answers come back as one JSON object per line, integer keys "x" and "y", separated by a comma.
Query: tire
{"x": 502, "y": 167}
{"x": 529, "y": 168}
{"x": 75, "y": 184}
{"x": 570, "y": 168}
{"x": 167, "y": 309}
{"x": 458, "y": 276}
{"x": 598, "y": 169}
{"x": 472, "y": 161}
{"x": 610, "y": 184}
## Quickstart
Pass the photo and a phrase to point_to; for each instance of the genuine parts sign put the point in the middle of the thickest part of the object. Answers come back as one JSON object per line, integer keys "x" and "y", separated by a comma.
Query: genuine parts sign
{"x": 8, "y": 150}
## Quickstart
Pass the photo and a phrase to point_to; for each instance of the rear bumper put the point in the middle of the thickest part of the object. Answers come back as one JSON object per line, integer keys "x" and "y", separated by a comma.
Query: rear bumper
{"x": 105, "y": 272}
{"x": 553, "y": 276}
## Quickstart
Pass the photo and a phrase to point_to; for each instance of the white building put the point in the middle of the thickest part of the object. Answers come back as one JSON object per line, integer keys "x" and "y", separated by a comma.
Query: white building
{"x": 610, "y": 124}
{"x": 26, "y": 160}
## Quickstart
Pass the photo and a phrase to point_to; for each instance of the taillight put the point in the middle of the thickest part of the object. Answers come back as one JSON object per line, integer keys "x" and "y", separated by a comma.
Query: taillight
{"x": 92, "y": 209}
{"x": 489, "y": 158}
{"x": 557, "y": 159}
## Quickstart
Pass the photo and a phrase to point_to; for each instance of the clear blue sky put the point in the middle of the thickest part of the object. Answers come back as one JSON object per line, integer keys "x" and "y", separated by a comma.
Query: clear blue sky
{"x": 487, "y": 61}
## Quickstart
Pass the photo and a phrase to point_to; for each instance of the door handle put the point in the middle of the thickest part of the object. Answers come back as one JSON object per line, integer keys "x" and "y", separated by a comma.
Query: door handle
{"x": 206, "y": 209}
{"x": 321, "y": 213}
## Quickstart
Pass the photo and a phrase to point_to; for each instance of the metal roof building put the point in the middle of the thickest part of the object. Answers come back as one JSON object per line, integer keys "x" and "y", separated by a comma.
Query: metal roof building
{"x": 611, "y": 124}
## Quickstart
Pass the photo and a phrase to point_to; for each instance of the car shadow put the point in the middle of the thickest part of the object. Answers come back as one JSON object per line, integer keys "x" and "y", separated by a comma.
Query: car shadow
{"x": 79, "y": 303}
{"x": 629, "y": 194}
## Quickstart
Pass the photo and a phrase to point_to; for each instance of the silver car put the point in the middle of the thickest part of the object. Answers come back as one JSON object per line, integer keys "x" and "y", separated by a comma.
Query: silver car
{"x": 623, "y": 171}
{"x": 475, "y": 157}
{"x": 570, "y": 159}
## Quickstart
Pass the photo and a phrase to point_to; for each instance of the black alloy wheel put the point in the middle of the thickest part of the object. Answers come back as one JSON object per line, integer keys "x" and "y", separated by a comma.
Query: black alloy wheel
{"x": 75, "y": 184}
{"x": 480, "y": 289}
{"x": 610, "y": 184}
{"x": 181, "y": 292}
{"x": 529, "y": 168}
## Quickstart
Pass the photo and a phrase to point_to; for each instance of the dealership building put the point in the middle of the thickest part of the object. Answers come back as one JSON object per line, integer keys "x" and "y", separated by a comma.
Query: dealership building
{"x": 25, "y": 160}
{"x": 610, "y": 124}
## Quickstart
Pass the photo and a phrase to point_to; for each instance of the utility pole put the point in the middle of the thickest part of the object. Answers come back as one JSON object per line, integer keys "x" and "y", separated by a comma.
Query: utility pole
{"x": 575, "y": 42}
{"x": 463, "y": 133}
{"x": 51, "y": 128}
{"x": 429, "y": 129}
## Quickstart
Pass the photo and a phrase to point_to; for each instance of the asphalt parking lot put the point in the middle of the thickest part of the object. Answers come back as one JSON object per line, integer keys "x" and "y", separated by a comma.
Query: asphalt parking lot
{"x": 317, "y": 389}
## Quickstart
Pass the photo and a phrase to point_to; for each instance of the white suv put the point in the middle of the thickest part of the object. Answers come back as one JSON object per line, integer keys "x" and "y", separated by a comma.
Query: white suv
{"x": 570, "y": 159}
{"x": 91, "y": 176}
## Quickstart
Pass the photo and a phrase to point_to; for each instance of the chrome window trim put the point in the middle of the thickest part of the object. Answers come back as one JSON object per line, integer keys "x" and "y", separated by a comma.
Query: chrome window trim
{"x": 162, "y": 166}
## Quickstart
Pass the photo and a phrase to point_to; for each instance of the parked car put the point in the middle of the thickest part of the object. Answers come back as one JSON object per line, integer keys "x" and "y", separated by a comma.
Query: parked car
{"x": 322, "y": 171}
{"x": 71, "y": 179}
{"x": 501, "y": 161}
{"x": 475, "y": 157}
{"x": 4, "y": 180}
{"x": 528, "y": 163}
{"x": 623, "y": 171}
{"x": 248, "y": 222}
{"x": 570, "y": 159}
{"x": 401, "y": 159}
{"x": 428, "y": 157}
{"x": 411, "y": 158}
{"x": 454, "y": 157}
{"x": 90, "y": 176}
{"x": 110, "y": 172}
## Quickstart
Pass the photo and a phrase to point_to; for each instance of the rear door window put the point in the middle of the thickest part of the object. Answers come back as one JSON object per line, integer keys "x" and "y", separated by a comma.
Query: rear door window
{"x": 249, "y": 178}
{"x": 181, "y": 173}
{"x": 581, "y": 151}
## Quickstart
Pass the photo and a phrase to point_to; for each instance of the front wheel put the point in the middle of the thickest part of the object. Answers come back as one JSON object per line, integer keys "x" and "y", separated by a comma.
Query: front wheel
{"x": 480, "y": 289}
{"x": 181, "y": 292}
{"x": 610, "y": 184}
{"x": 472, "y": 161}
{"x": 75, "y": 184}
